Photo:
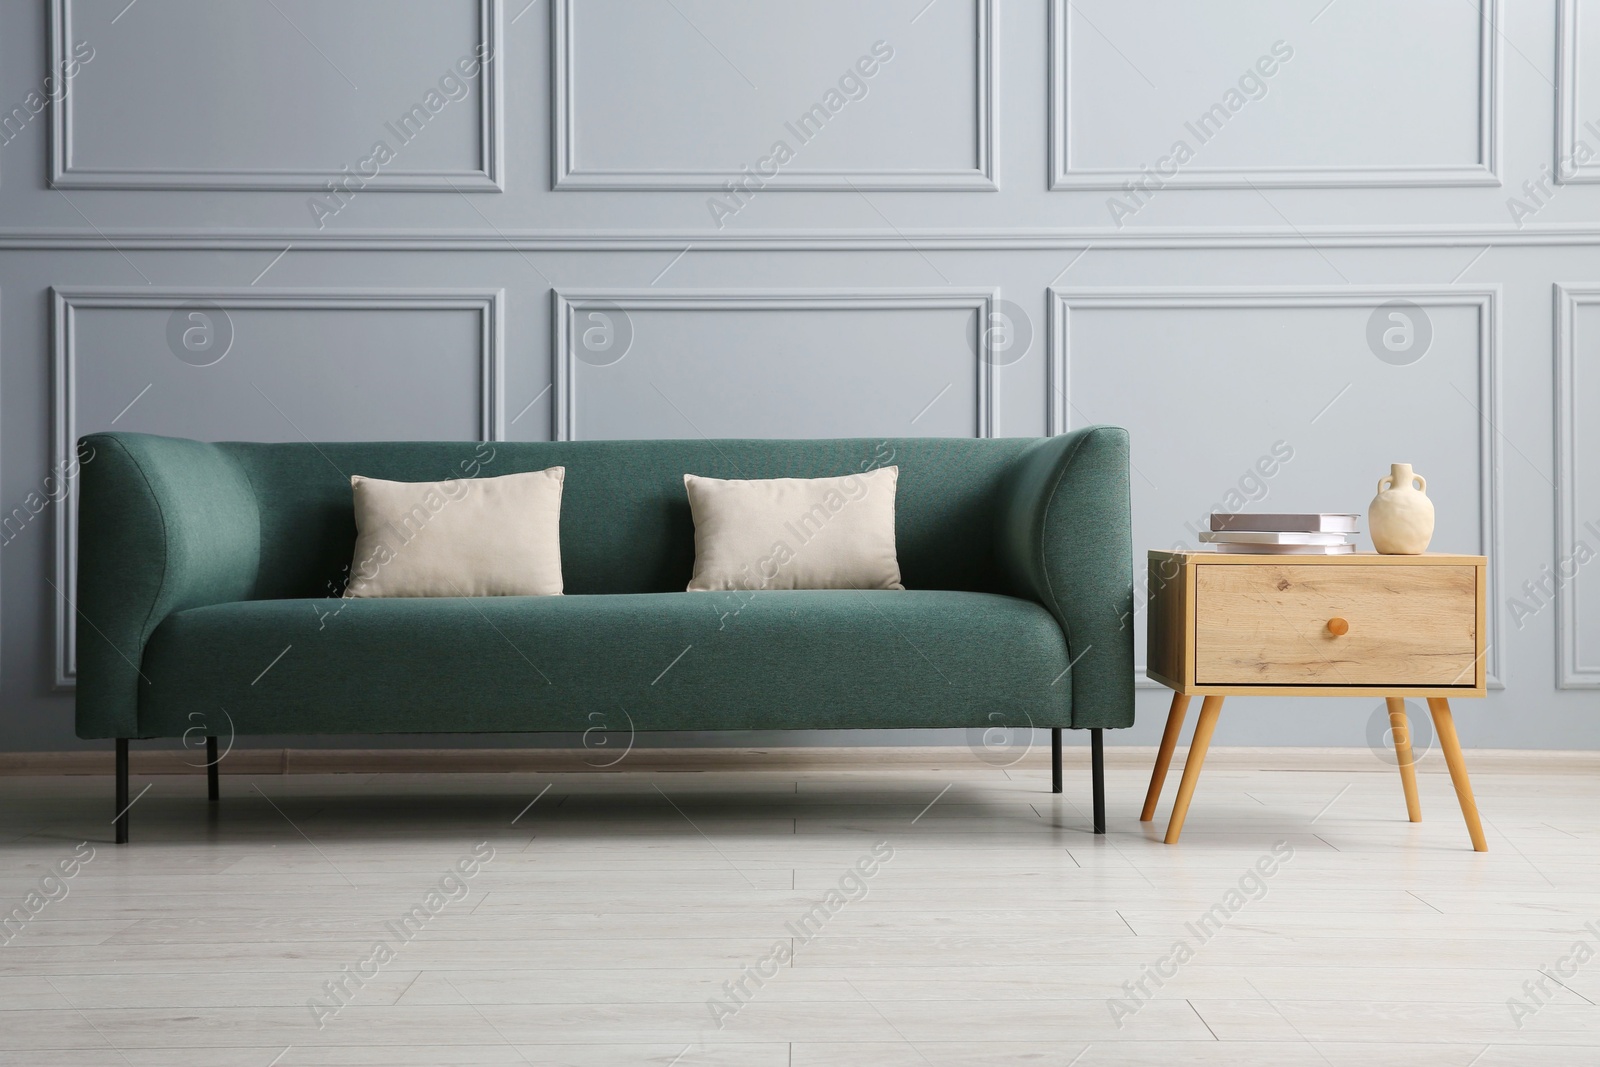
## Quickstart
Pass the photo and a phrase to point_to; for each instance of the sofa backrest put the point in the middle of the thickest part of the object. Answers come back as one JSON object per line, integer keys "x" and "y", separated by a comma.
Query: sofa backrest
{"x": 625, "y": 522}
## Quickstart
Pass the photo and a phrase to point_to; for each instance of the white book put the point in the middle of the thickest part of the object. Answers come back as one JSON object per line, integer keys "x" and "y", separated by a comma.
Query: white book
{"x": 1309, "y": 522}
{"x": 1288, "y": 550}
{"x": 1255, "y": 537}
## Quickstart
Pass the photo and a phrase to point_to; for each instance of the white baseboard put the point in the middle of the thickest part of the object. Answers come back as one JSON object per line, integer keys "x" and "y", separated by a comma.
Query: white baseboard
{"x": 581, "y": 761}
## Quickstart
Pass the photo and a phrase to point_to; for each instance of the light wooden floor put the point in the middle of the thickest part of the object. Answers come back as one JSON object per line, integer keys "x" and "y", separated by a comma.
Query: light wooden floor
{"x": 619, "y": 903}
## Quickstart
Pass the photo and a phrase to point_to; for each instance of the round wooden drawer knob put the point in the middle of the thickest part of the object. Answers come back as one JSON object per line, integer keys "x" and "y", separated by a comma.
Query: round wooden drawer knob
{"x": 1338, "y": 627}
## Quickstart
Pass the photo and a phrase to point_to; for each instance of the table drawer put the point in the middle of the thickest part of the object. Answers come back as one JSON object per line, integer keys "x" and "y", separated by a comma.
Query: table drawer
{"x": 1270, "y": 625}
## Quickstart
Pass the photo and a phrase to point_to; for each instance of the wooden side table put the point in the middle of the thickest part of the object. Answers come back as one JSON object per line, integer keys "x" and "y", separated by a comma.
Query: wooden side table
{"x": 1223, "y": 624}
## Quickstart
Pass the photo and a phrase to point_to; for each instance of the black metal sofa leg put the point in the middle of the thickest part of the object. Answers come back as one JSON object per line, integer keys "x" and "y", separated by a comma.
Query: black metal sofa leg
{"x": 1055, "y": 759}
{"x": 122, "y": 791}
{"x": 1097, "y": 757}
{"x": 213, "y": 790}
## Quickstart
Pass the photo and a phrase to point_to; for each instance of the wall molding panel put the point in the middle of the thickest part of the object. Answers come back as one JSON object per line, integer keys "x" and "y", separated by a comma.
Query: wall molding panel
{"x": 1485, "y": 300}
{"x": 66, "y": 302}
{"x": 567, "y": 303}
{"x": 1571, "y": 672}
{"x": 1568, "y": 116}
{"x": 489, "y": 176}
{"x": 1066, "y": 175}
{"x": 565, "y": 140}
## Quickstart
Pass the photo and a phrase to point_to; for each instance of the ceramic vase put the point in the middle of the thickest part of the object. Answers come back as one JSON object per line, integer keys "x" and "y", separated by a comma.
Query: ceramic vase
{"x": 1400, "y": 519}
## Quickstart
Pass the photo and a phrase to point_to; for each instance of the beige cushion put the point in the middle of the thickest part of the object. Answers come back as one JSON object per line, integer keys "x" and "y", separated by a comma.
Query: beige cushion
{"x": 795, "y": 533}
{"x": 463, "y": 537}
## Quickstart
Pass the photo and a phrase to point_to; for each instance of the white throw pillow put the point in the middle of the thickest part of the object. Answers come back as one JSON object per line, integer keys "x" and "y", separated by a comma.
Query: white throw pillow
{"x": 795, "y": 533}
{"x": 462, "y": 537}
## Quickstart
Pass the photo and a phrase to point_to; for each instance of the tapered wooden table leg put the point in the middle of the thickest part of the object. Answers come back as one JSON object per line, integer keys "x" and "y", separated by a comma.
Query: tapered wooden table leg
{"x": 1444, "y": 724}
{"x": 1169, "y": 743}
{"x": 1203, "y": 729}
{"x": 1401, "y": 728}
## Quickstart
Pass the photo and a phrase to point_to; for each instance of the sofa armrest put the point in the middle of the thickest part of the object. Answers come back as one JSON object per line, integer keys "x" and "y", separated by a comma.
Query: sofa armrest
{"x": 1065, "y": 539}
{"x": 163, "y": 524}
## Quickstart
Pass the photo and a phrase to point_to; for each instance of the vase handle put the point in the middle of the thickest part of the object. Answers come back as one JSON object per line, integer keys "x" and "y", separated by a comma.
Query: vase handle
{"x": 1422, "y": 483}
{"x": 1387, "y": 478}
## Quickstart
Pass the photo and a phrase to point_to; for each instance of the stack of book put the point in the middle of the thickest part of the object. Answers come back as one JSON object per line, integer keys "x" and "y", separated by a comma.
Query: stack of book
{"x": 1314, "y": 534}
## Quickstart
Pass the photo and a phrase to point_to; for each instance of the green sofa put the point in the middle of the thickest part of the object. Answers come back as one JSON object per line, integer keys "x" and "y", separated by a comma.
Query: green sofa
{"x": 209, "y": 574}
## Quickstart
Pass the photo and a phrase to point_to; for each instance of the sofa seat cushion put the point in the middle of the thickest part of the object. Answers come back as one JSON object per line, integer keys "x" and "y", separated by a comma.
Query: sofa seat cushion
{"x": 771, "y": 660}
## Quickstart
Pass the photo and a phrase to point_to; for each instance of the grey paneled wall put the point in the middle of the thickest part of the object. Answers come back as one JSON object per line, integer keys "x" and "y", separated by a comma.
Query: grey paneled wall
{"x": 345, "y": 219}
